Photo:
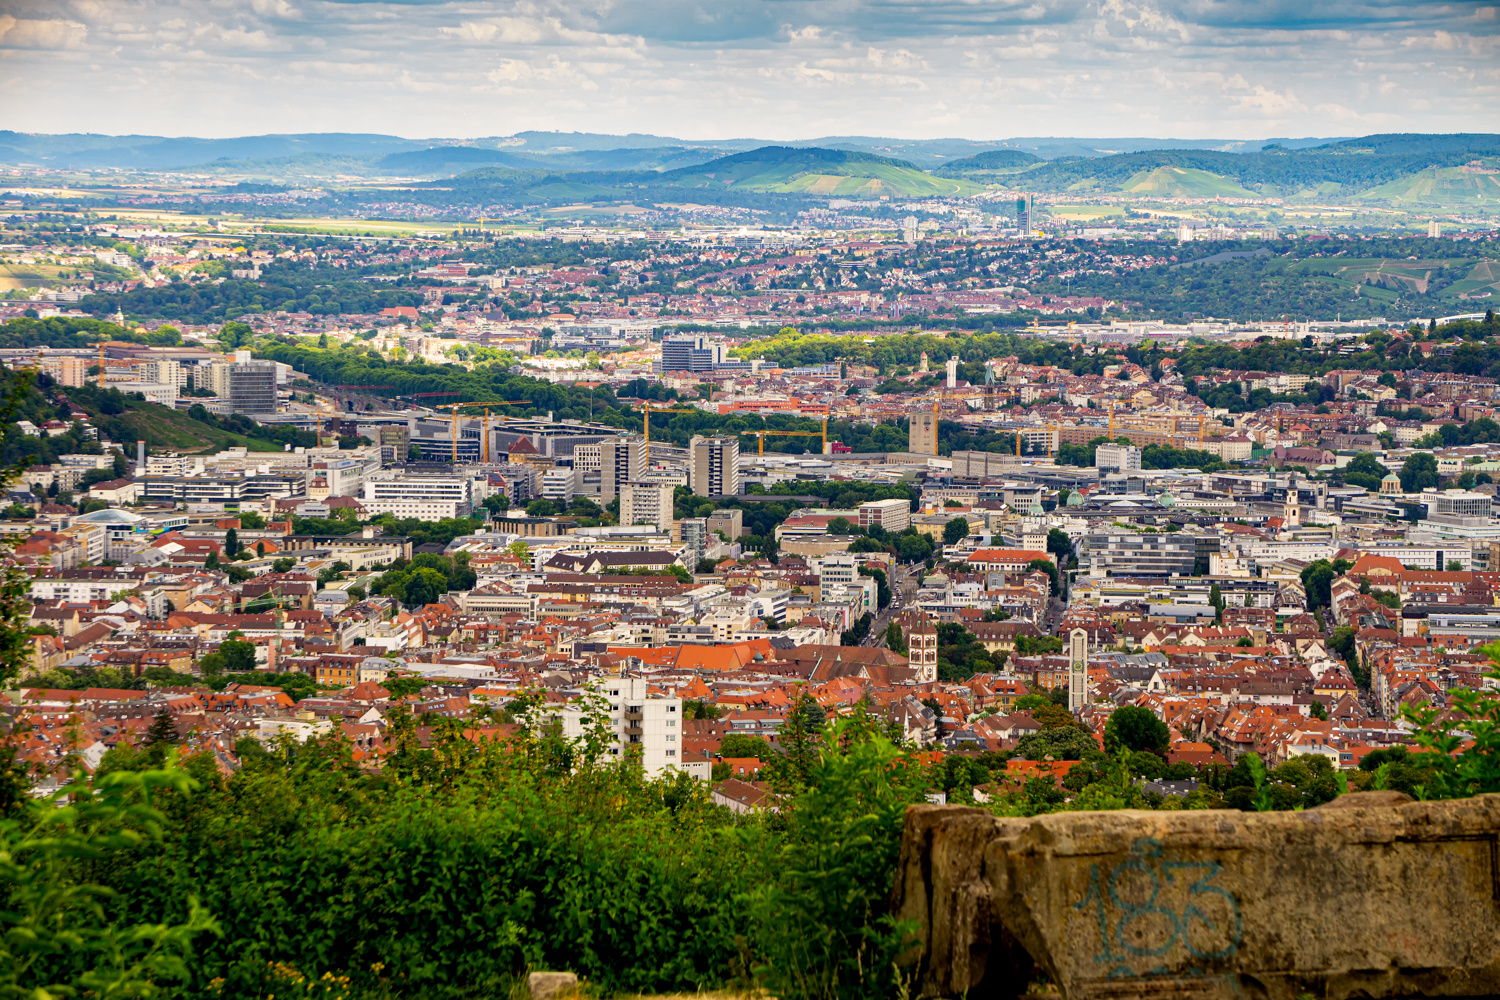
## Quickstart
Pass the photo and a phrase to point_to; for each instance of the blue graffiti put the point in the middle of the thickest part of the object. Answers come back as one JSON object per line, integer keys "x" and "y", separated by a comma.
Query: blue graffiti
{"x": 1134, "y": 923}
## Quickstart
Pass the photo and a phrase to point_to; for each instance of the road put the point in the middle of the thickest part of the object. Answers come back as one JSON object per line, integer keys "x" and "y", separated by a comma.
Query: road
{"x": 903, "y": 584}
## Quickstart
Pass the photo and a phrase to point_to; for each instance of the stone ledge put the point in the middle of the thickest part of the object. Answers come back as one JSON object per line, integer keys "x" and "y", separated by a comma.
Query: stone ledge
{"x": 1364, "y": 897}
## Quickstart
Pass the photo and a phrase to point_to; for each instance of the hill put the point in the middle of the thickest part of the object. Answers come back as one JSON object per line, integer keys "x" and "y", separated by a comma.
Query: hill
{"x": 815, "y": 171}
{"x": 989, "y": 162}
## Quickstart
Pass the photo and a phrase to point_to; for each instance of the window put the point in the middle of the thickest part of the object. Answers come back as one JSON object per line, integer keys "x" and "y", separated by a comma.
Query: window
{"x": 671, "y": 738}
{"x": 671, "y": 753}
{"x": 671, "y": 722}
{"x": 671, "y": 708}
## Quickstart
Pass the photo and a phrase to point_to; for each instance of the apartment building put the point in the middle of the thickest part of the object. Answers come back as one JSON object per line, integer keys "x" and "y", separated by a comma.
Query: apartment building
{"x": 621, "y": 459}
{"x": 715, "y": 468}
{"x": 646, "y": 503}
{"x": 248, "y": 385}
{"x": 1117, "y": 458}
{"x": 66, "y": 370}
{"x": 641, "y": 722}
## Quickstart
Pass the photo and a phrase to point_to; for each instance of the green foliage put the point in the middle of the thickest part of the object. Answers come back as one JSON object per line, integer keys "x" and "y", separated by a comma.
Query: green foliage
{"x": 895, "y": 641}
{"x": 742, "y": 745}
{"x": 1419, "y": 472}
{"x": 1464, "y": 738}
{"x": 955, "y": 531}
{"x": 1029, "y": 645}
{"x": 959, "y": 655}
{"x": 58, "y": 936}
{"x": 1135, "y": 728}
{"x": 1061, "y": 743}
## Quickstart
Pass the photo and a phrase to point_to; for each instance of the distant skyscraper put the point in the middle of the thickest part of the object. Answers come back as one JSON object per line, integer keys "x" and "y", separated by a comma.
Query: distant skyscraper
{"x": 909, "y": 229}
{"x": 1023, "y": 212}
{"x": 691, "y": 354}
{"x": 1434, "y": 229}
{"x": 922, "y": 433}
{"x": 621, "y": 459}
{"x": 953, "y": 372}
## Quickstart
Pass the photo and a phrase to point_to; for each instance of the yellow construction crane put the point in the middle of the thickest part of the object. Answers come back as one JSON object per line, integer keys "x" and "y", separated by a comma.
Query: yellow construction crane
{"x": 762, "y": 435}
{"x": 487, "y": 403}
{"x": 648, "y": 410}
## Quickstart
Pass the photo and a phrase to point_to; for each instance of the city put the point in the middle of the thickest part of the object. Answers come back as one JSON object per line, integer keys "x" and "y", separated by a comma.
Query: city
{"x": 799, "y": 501}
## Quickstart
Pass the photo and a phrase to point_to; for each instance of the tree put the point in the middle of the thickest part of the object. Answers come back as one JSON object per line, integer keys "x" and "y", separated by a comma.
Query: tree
{"x": 1136, "y": 728}
{"x": 1419, "y": 473}
{"x": 1050, "y": 568}
{"x": 1060, "y": 545}
{"x": 1216, "y": 601}
{"x": 1317, "y": 583}
{"x": 519, "y": 550}
{"x": 163, "y": 729}
{"x": 1063, "y": 743}
{"x": 955, "y": 531}
{"x": 744, "y": 745}
{"x": 895, "y": 641}
{"x": 841, "y": 526}
{"x": 212, "y": 562}
{"x": 232, "y": 543}
{"x": 541, "y": 508}
{"x": 283, "y": 564}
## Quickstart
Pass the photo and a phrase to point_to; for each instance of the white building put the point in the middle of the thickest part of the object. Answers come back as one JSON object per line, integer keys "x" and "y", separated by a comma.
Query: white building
{"x": 646, "y": 503}
{"x": 559, "y": 485}
{"x": 1117, "y": 458}
{"x": 640, "y": 722}
{"x": 892, "y": 515}
{"x": 430, "y": 498}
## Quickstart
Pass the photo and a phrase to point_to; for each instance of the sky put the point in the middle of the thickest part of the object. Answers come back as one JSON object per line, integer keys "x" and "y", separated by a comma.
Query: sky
{"x": 771, "y": 69}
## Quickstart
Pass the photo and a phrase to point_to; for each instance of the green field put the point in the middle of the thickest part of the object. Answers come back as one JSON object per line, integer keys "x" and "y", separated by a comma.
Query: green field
{"x": 1441, "y": 188}
{"x": 1184, "y": 182}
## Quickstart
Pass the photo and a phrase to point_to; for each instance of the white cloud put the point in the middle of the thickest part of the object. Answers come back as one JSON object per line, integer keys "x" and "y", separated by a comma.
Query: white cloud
{"x": 23, "y": 33}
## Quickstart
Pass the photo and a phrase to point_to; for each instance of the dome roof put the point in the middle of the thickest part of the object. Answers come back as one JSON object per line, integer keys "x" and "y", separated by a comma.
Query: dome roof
{"x": 1075, "y": 499}
{"x": 1167, "y": 500}
{"x": 111, "y": 515}
{"x": 1391, "y": 477}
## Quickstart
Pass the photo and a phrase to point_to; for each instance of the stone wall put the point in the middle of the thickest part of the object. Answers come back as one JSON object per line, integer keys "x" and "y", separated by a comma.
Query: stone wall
{"x": 1370, "y": 895}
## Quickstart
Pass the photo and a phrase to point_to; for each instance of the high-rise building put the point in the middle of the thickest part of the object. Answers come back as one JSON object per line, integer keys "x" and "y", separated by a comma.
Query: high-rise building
{"x": 909, "y": 229}
{"x": 922, "y": 433}
{"x": 1023, "y": 212}
{"x": 430, "y": 498}
{"x": 952, "y": 372}
{"x": 250, "y": 386}
{"x": 695, "y": 535}
{"x": 621, "y": 459}
{"x": 1434, "y": 229}
{"x": 715, "y": 467}
{"x": 647, "y": 503}
{"x": 1117, "y": 458}
{"x": 685, "y": 353}
{"x": 66, "y": 369}
{"x": 641, "y": 721}
{"x": 921, "y": 651}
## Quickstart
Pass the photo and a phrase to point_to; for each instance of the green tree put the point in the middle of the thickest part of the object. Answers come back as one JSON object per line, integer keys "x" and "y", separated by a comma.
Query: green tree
{"x": 541, "y": 508}
{"x": 162, "y": 729}
{"x": 1136, "y": 728}
{"x": 744, "y": 745}
{"x": 1419, "y": 472}
{"x": 232, "y": 543}
{"x": 895, "y": 641}
{"x": 955, "y": 531}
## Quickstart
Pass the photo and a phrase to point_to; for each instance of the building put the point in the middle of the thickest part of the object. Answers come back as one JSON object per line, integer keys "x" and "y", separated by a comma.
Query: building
{"x": 922, "y": 433}
{"x": 643, "y": 724}
{"x": 647, "y": 503}
{"x": 621, "y": 459}
{"x": 690, "y": 354}
{"x": 66, "y": 369}
{"x": 1117, "y": 458}
{"x": 921, "y": 651}
{"x": 729, "y": 523}
{"x": 695, "y": 535}
{"x": 1133, "y": 554}
{"x": 892, "y": 515}
{"x": 559, "y": 485}
{"x": 249, "y": 386}
{"x": 715, "y": 468}
{"x": 429, "y": 498}
{"x": 1078, "y": 670}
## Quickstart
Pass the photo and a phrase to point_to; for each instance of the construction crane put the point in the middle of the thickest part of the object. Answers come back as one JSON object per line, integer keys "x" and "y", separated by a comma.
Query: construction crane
{"x": 762, "y": 435}
{"x": 486, "y": 403}
{"x": 427, "y": 395}
{"x": 648, "y": 410}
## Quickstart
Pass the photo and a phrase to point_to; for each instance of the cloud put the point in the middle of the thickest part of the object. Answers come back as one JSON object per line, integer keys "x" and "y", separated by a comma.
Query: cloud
{"x": 21, "y": 33}
{"x": 778, "y": 69}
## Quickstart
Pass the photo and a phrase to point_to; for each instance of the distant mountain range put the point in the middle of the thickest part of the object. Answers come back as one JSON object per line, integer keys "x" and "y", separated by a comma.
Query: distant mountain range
{"x": 1406, "y": 170}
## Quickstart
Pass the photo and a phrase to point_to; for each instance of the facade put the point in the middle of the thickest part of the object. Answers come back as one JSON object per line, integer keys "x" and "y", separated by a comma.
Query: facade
{"x": 66, "y": 370}
{"x": 559, "y": 485}
{"x": 922, "y": 433}
{"x": 1078, "y": 670}
{"x": 730, "y": 522}
{"x": 647, "y": 503}
{"x": 695, "y": 534}
{"x": 621, "y": 459}
{"x": 249, "y": 386}
{"x": 1133, "y": 554}
{"x": 640, "y": 722}
{"x": 921, "y": 651}
{"x": 892, "y": 515}
{"x": 715, "y": 467}
{"x": 690, "y": 354}
{"x": 1117, "y": 458}
{"x": 430, "y": 498}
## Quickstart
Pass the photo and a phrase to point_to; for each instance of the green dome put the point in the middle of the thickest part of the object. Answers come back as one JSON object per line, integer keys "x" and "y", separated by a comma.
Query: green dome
{"x": 1167, "y": 500}
{"x": 1075, "y": 499}
{"x": 1036, "y": 507}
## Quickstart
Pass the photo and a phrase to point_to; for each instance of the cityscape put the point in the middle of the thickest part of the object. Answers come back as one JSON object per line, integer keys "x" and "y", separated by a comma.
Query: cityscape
{"x": 601, "y": 556}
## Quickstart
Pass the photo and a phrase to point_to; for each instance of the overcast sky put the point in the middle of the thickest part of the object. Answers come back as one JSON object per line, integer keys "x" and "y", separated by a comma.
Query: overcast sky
{"x": 773, "y": 69}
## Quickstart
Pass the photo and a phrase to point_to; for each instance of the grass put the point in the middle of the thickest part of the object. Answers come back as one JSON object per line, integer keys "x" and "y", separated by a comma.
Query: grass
{"x": 166, "y": 428}
{"x": 1185, "y": 182}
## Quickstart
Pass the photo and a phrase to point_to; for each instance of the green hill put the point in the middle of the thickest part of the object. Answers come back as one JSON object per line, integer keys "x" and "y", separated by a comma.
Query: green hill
{"x": 1444, "y": 188}
{"x": 838, "y": 172}
{"x": 993, "y": 161}
{"x": 1184, "y": 182}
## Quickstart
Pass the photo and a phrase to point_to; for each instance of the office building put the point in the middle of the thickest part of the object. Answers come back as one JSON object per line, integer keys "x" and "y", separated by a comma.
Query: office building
{"x": 558, "y": 486}
{"x": 892, "y": 515}
{"x": 729, "y": 523}
{"x": 1117, "y": 458}
{"x": 1024, "y": 205}
{"x": 249, "y": 386}
{"x": 690, "y": 354}
{"x": 715, "y": 468}
{"x": 430, "y": 498}
{"x": 1133, "y": 554}
{"x": 922, "y": 433}
{"x": 646, "y": 503}
{"x": 621, "y": 459}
